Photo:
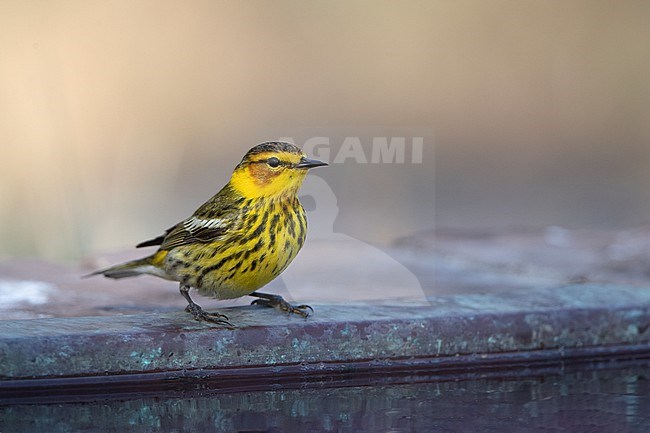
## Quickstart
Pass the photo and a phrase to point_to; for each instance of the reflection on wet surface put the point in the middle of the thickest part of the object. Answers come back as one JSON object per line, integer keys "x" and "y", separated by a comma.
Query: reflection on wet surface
{"x": 587, "y": 400}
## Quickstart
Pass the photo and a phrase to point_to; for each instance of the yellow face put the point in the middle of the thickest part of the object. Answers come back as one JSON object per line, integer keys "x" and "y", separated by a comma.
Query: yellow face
{"x": 272, "y": 171}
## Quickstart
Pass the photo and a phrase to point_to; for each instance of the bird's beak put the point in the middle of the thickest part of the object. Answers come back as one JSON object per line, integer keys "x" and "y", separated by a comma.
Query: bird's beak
{"x": 309, "y": 163}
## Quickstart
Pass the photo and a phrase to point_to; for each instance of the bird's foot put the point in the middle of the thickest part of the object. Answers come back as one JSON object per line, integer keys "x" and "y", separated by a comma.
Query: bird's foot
{"x": 201, "y": 315}
{"x": 278, "y": 302}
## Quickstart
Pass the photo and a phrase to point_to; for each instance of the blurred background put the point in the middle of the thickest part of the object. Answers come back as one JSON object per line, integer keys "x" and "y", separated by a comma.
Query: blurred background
{"x": 117, "y": 119}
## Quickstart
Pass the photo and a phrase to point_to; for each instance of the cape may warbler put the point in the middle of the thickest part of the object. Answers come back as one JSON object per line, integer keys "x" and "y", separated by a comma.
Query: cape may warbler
{"x": 240, "y": 239}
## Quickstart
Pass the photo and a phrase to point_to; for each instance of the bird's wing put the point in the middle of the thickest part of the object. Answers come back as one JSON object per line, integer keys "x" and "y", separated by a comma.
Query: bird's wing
{"x": 209, "y": 223}
{"x": 155, "y": 241}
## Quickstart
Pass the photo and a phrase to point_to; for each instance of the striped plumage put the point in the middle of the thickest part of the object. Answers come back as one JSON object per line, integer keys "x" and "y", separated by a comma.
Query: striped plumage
{"x": 240, "y": 239}
{"x": 264, "y": 237}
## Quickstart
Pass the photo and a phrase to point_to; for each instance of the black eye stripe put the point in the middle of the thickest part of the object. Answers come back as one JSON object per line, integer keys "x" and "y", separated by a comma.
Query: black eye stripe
{"x": 280, "y": 163}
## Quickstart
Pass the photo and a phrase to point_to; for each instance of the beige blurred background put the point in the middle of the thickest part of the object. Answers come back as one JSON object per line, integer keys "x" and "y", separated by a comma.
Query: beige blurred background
{"x": 119, "y": 118}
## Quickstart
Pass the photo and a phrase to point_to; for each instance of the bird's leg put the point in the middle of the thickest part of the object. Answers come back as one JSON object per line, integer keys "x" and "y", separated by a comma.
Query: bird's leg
{"x": 276, "y": 301}
{"x": 199, "y": 313}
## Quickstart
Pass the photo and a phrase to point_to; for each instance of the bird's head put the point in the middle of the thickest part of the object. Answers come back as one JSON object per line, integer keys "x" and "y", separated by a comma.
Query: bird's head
{"x": 272, "y": 169}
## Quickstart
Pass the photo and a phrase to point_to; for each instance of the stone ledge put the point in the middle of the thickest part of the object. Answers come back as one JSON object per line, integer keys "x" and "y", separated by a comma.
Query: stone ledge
{"x": 551, "y": 325}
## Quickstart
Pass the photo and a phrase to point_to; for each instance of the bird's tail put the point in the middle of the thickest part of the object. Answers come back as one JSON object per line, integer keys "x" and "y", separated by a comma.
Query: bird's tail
{"x": 147, "y": 265}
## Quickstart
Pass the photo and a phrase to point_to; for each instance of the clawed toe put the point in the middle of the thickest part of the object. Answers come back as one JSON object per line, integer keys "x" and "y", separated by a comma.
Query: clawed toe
{"x": 201, "y": 315}
{"x": 302, "y": 310}
{"x": 279, "y": 303}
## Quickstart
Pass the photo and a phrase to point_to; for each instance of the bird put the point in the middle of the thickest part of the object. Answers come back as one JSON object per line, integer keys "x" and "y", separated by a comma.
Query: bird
{"x": 240, "y": 239}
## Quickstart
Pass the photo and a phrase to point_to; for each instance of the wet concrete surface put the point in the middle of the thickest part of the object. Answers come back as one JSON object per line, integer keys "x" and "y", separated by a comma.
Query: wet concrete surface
{"x": 552, "y": 319}
{"x": 438, "y": 313}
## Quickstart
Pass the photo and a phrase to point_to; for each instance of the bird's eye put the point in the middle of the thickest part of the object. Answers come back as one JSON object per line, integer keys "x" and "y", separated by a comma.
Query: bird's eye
{"x": 273, "y": 162}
